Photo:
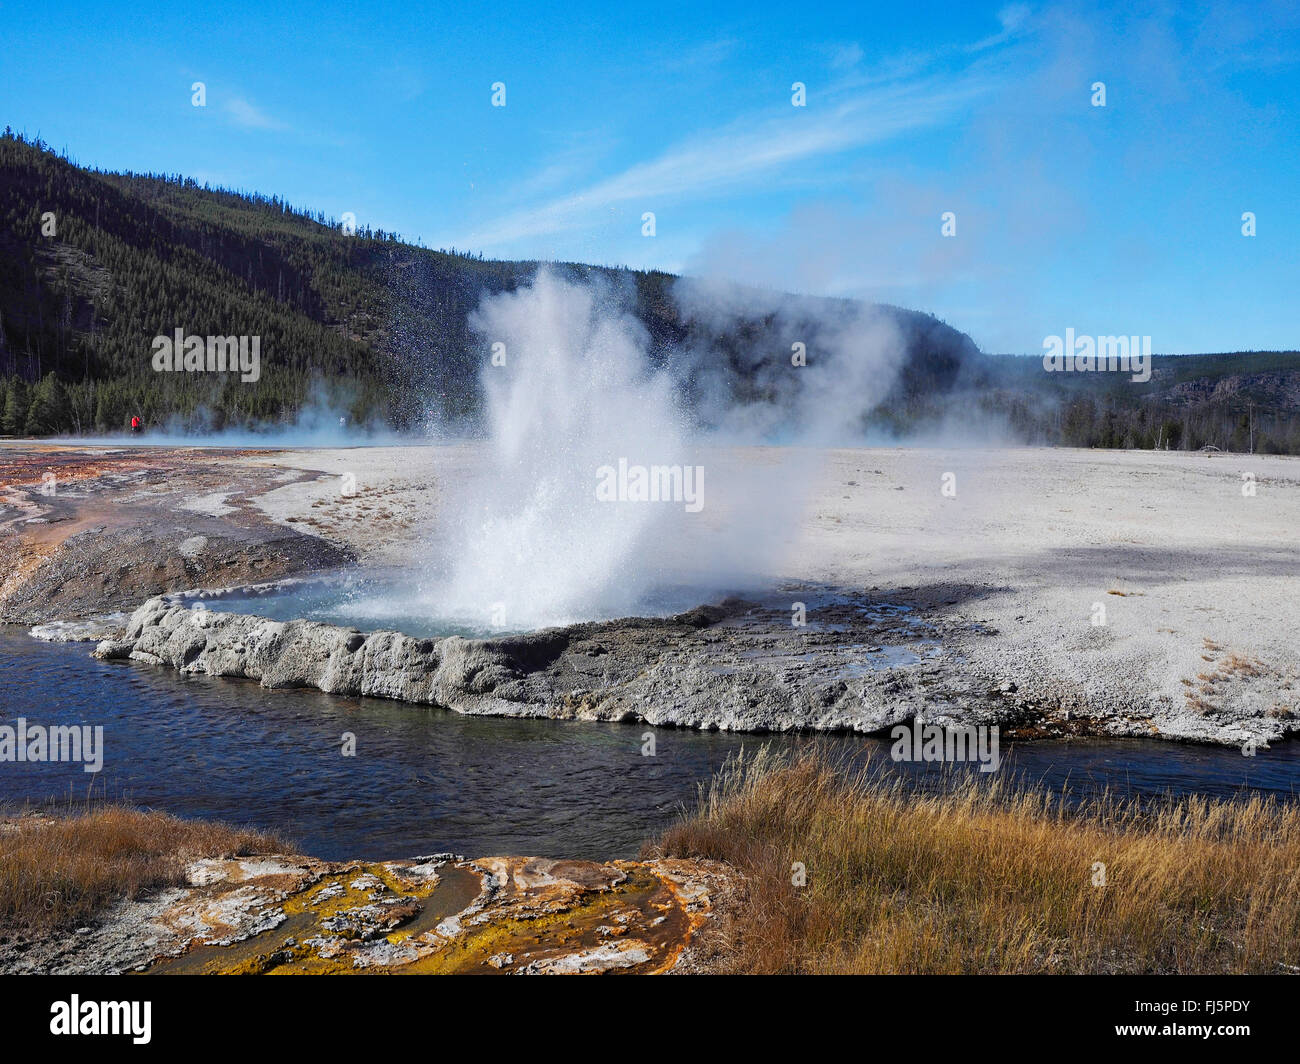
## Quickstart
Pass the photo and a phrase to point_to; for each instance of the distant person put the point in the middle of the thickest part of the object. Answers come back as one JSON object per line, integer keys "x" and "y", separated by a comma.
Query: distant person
{"x": 135, "y": 423}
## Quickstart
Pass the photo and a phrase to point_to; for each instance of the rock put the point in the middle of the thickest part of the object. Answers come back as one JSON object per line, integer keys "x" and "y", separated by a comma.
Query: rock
{"x": 395, "y": 916}
{"x": 739, "y": 666}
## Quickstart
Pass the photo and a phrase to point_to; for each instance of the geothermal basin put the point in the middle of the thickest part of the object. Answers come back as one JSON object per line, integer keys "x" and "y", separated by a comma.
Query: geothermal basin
{"x": 973, "y": 609}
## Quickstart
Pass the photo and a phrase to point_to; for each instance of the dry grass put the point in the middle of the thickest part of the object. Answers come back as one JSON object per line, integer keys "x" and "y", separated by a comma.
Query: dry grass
{"x": 1241, "y": 665}
{"x": 987, "y": 878}
{"x": 57, "y": 871}
{"x": 1220, "y": 681}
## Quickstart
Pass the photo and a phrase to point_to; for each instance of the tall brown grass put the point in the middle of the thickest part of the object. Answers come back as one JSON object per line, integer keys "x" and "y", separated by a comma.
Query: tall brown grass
{"x": 988, "y": 878}
{"x": 56, "y": 871}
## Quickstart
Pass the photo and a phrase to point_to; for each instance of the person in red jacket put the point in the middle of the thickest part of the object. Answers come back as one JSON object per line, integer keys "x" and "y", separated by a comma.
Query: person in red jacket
{"x": 135, "y": 423}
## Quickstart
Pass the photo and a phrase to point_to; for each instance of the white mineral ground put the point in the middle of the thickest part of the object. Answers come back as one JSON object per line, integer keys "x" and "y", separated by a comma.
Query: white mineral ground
{"x": 1195, "y": 574}
{"x": 1190, "y": 569}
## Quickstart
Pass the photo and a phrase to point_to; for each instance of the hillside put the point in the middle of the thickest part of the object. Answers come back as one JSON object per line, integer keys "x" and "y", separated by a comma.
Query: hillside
{"x": 136, "y": 256}
{"x": 379, "y": 329}
{"x": 379, "y": 323}
{"x": 1244, "y": 401}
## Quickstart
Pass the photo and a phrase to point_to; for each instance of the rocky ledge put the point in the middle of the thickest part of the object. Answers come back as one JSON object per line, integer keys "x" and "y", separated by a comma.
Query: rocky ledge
{"x": 858, "y": 664}
{"x": 275, "y": 914}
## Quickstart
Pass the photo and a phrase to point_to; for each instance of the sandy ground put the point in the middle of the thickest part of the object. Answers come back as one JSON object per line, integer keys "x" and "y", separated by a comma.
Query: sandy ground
{"x": 87, "y": 530}
{"x": 379, "y": 501}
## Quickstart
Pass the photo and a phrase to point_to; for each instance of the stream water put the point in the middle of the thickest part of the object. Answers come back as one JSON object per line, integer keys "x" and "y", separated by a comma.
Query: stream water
{"x": 426, "y": 780}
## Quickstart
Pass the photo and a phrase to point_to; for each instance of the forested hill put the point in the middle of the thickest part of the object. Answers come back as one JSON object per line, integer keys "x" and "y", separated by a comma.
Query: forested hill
{"x": 94, "y": 265}
{"x": 133, "y": 257}
{"x": 382, "y": 324}
{"x": 1241, "y": 401}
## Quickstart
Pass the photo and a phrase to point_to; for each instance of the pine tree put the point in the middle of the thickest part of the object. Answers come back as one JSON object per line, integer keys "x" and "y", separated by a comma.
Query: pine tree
{"x": 14, "y": 420}
{"x": 49, "y": 407}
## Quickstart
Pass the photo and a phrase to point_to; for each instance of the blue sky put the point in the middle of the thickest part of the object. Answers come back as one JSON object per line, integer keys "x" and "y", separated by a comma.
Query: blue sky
{"x": 1117, "y": 220}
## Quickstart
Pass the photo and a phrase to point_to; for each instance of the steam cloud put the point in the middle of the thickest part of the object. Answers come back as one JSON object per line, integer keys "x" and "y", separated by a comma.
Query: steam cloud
{"x": 526, "y": 537}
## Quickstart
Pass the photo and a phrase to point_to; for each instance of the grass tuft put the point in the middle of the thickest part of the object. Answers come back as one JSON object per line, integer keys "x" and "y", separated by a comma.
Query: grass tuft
{"x": 989, "y": 877}
{"x": 57, "y": 871}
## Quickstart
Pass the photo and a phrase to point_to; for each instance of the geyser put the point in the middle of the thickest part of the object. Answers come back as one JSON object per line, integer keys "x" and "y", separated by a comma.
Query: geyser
{"x": 568, "y": 392}
{"x": 597, "y": 494}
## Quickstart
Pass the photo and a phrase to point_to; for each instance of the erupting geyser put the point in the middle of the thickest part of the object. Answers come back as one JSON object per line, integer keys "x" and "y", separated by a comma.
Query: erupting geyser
{"x": 568, "y": 390}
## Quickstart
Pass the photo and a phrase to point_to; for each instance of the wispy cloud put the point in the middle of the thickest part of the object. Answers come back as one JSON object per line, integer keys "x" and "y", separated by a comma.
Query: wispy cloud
{"x": 250, "y": 116}
{"x": 579, "y": 152}
{"x": 1013, "y": 18}
{"x": 843, "y": 56}
{"x": 746, "y": 152}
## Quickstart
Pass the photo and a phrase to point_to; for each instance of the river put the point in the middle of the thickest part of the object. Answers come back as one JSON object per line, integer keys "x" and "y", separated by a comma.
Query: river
{"x": 426, "y": 780}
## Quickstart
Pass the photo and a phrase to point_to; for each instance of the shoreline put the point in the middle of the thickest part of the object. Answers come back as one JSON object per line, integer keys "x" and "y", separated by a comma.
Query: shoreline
{"x": 674, "y": 672}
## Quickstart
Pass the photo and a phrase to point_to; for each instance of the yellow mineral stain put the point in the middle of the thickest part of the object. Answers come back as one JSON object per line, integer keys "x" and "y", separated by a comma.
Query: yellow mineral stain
{"x": 494, "y": 916}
